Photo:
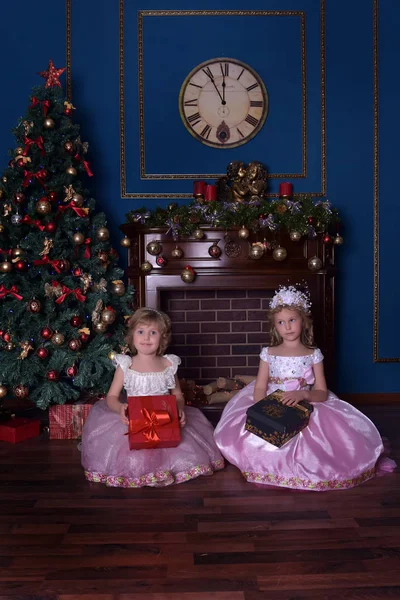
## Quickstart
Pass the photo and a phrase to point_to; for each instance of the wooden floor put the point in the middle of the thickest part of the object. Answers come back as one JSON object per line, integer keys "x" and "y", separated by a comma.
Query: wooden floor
{"x": 216, "y": 538}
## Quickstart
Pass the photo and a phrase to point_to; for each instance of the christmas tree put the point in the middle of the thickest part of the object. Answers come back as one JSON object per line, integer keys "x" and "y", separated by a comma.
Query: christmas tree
{"x": 62, "y": 299}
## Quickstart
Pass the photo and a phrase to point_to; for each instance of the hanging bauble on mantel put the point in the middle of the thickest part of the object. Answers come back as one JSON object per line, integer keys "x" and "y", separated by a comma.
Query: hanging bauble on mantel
{"x": 177, "y": 252}
{"x": 154, "y": 247}
{"x": 198, "y": 234}
{"x": 279, "y": 253}
{"x": 315, "y": 263}
{"x": 188, "y": 274}
{"x": 338, "y": 240}
{"x": 161, "y": 261}
{"x": 256, "y": 251}
{"x": 125, "y": 242}
{"x": 295, "y": 236}
{"x": 146, "y": 266}
{"x": 215, "y": 251}
{"x": 243, "y": 233}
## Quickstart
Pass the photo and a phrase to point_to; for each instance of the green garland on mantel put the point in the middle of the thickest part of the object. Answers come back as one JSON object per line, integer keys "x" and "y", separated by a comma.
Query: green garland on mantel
{"x": 302, "y": 214}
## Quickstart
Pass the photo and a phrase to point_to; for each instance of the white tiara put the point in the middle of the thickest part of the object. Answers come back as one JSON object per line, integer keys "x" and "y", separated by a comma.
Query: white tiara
{"x": 291, "y": 296}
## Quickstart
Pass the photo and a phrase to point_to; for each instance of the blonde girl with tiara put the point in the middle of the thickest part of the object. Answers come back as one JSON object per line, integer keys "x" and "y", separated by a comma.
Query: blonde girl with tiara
{"x": 106, "y": 456}
{"x": 339, "y": 449}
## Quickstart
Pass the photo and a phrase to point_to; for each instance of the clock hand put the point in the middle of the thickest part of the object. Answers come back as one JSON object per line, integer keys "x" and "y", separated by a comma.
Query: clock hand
{"x": 210, "y": 75}
{"x": 223, "y": 89}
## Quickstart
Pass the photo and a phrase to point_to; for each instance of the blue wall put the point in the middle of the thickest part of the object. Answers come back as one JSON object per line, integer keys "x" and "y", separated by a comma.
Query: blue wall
{"x": 172, "y": 46}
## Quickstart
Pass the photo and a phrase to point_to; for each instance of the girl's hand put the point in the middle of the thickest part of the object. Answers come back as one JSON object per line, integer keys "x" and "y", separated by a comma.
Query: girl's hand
{"x": 293, "y": 398}
{"x": 182, "y": 418}
{"x": 122, "y": 414}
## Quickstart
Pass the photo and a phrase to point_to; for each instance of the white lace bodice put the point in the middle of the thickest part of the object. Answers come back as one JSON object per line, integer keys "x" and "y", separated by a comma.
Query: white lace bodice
{"x": 291, "y": 372}
{"x": 147, "y": 384}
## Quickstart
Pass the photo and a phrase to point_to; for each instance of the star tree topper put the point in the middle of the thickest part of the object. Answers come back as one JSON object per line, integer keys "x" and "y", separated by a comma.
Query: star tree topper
{"x": 51, "y": 75}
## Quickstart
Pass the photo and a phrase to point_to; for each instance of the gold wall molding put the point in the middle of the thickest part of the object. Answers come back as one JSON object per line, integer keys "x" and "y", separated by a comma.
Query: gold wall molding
{"x": 377, "y": 359}
{"x": 183, "y": 176}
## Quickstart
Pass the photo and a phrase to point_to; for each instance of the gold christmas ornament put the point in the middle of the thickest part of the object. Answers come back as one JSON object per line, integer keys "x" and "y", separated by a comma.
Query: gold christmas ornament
{"x": 58, "y": 339}
{"x": 19, "y": 151}
{"x": 243, "y": 233}
{"x": 188, "y": 275}
{"x": 71, "y": 171}
{"x": 154, "y": 247}
{"x": 77, "y": 199}
{"x": 1, "y": 228}
{"x": 279, "y": 253}
{"x": 100, "y": 327}
{"x": 177, "y": 252}
{"x": 33, "y": 306}
{"x": 43, "y": 207}
{"x": 21, "y": 391}
{"x": 3, "y": 390}
{"x": 69, "y": 146}
{"x": 112, "y": 355}
{"x": 146, "y": 267}
{"x": 78, "y": 238}
{"x": 198, "y": 234}
{"x": 103, "y": 257}
{"x": 48, "y": 123}
{"x": 118, "y": 287}
{"x": 102, "y": 234}
{"x": 108, "y": 316}
{"x": 295, "y": 236}
{"x": 256, "y": 251}
{"x": 125, "y": 242}
{"x": 315, "y": 263}
{"x": 6, "y": 266}
{"x": 18, "y": 252}
{"x": 9, "y": 346}
{"x": 338, "y": 241}
{"x": 4, "y": 179}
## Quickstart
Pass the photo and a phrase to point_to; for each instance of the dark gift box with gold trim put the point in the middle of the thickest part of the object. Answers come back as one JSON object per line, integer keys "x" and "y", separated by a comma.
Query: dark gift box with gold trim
{"x": 275, "y": 422}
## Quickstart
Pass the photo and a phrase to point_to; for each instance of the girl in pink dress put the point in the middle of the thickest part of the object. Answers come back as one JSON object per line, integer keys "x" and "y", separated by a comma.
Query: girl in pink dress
{"x": 340, "y": 448}
{"x": 106, "y": 456}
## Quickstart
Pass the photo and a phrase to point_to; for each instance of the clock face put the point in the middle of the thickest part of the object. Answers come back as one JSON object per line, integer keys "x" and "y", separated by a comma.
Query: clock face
{"x": 223, "y": 103}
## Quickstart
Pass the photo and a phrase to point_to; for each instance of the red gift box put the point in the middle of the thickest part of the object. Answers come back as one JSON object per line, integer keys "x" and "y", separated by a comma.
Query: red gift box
{"x": 153, "y": 422}
{"x": 66, "y": 421}
{"x": 19, "y": 429}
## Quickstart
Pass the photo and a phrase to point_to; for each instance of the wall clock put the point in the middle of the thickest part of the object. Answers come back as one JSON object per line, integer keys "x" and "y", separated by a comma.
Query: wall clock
{"x": 223, "y": 103}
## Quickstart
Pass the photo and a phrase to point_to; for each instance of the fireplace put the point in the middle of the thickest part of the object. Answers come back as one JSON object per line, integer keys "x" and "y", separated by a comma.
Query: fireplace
{"x": 219, "y": 319}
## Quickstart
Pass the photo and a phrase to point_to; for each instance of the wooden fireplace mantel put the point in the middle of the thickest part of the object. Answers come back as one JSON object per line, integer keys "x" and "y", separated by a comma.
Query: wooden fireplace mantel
{"x": 236, "y": 272}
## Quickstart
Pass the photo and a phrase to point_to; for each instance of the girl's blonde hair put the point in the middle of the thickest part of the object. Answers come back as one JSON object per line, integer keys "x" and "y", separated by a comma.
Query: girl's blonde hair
{"x": 147, "y": 316}
{"x": 307, "y": 334}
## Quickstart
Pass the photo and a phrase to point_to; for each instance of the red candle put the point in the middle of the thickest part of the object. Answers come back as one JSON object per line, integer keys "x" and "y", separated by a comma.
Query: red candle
{"x": 211, "y": 193}
{"x": 285, "y": 190}
{"x": 199, "y": 189}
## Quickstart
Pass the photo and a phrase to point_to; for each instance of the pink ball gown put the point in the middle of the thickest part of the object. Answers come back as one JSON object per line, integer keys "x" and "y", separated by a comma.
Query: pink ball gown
{"x": 340, "y": 448}
{"x": 106, "y": 456}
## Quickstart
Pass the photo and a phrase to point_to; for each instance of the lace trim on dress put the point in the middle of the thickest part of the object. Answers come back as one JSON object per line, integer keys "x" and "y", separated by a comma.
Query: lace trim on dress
{"x": 307, "y": 484}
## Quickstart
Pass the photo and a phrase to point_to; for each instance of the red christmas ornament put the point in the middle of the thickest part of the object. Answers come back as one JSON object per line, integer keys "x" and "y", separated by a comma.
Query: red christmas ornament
{"x": 52, "y": 196}
{"x": 19, "y": 197}
{"x": 50, "y": 227}
{"x": 161, "y": 261}
{"x": 52, "y": 375}
{"x": 21, "y": 265}
{"x": 77, "y": 272}
{"x": 310, "y": 220}
{"x": 72, "y": 371}
{"x": 33, "y": 306}
{"x": 76, "y": 321}
{"x": 20, "y": 162}
{"x": 42, "y": 353}
{"x": 46, "y": 333}
{"x": 51, "y": 75}
{"x": 326, "y": 239}
{"x": 84, "y": 336}
{"x": 6, "y": 337}
{"x": 68, "y": 112}
{"x": 74, "y": 345}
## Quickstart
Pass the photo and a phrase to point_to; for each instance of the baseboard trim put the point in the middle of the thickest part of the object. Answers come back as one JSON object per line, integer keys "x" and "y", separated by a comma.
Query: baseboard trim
{"x": 371, "y": 399}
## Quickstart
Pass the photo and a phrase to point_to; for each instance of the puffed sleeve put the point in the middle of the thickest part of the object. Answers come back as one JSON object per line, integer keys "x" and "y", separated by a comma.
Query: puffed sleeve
{"x": 122, "y": 360}
{"x": 317, "y": 356}
{"x": 264, "y": 355}
{"x": 174, "y": 360}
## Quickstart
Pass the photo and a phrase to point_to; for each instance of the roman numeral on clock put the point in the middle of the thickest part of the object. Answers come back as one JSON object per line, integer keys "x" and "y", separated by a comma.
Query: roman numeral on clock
{"x": 206, "y": 132}
{"x": 224, "y": 69}
{"x": 252, "y": 120}
{"x": 239, "y": 132}
{"x": 194, "y": 117}
{"x": 252, "y": 87}
{"x": 256, "y": 103}
{"x": 208, "y": 72}
{"x": 190, "y": 103}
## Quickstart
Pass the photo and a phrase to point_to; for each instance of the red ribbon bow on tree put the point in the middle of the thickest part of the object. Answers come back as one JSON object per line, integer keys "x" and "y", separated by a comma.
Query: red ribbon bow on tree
{"x": 79, "y": 158}
{"x": 9, "y": 252}
{"x": 56, "y": 264}
{"x": 39, "y": 143}
{"x": 149, "y": 424}
{"x": 46, "y": 104}
{"x": 39, "y": 175}
{"x": 66, "y": 291}
{"x": 81, "y": 212}
{"x": 87, "y": 242}
{"x": 27, "y": 219}
{"x": 13, "y": 291}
